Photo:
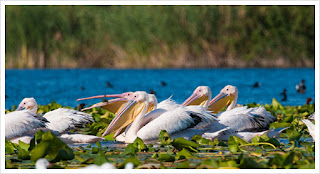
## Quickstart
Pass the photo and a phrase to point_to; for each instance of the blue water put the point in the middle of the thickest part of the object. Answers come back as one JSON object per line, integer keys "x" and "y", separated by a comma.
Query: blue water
{"x": 66, "y": 85}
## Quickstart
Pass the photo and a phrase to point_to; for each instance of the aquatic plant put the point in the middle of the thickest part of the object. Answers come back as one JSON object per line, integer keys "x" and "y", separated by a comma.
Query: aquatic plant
{"x": 293, "y": 150}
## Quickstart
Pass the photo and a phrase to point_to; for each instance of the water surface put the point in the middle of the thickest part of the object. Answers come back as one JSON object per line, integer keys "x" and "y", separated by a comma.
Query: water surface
{"x": 66, "y": 85}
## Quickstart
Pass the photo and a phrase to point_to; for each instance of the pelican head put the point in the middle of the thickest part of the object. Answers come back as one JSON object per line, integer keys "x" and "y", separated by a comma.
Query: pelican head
{"x": 137, "y": 104}
{"x": 200, "y": 96}
{"x": 226, "y": 96}
{"x": 28, "y": 103}
{"x": 153, "y": 102}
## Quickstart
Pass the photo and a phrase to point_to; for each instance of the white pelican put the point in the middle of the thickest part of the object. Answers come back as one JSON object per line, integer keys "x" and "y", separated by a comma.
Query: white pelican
{"x": 60, "y": 120}
{"x": 26, "y": 122}
{"x": 311, "y": 128}
{"x": 115, "y": 105}
{"x": 234, "y": 120}
{"x": 240, "y": 118}
{"x": 164, "y": 106}
{"x": 19, "y": 123}
{"x": 175, "y": 121}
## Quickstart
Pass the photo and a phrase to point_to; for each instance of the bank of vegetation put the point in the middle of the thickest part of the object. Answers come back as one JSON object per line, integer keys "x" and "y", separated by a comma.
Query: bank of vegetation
{"x": 159, "y": 36}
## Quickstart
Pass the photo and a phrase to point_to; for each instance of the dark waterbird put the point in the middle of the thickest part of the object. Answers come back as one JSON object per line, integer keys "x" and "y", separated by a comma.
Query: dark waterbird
{"x": 256, "y": 85}
{"x": 109, "y": 85}
{"x": 309, "y": 99}
{"x": 301, "y": 87}
{"x": 151, "y": 91}
{"x": 284, "y": 94}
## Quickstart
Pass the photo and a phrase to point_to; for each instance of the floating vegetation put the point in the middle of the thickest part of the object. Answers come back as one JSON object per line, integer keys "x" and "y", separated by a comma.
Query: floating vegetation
{"x": 293, "y": 150}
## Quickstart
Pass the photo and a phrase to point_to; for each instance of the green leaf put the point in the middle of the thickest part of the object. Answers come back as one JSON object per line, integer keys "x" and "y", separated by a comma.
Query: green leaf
{"x": 23, "y": 145}
{"x": 39, "y": 151}
{"x": 240, "y": 141}
{"x": 9, "y": 147}
{"x": 64, "y": 154}
{"x": 55, "y": 146}
{"x": 212, "y": 163}
{"x": 109, "y": 137}
{"x": 200, "y": 140}
{"x": 23, "y": 154}
{"x": 180, "y": 143}
{"x": 98, "y": 144}
{"x": 9, "y": 164}
{"x": 155, "y": 155}
{"x": 229, "y": 164}
{"x": 274, "y": 141}
{"x": 293, "y": 134}
{"x": 249, "y": 163}
{"x": 288, "y": 119}
{"x": 279, "y": 125}
{"x": 276, "y": 105}
{"x": 139, "y": 144}
{"x": 232, "y": 144}
{"x": 164, "y": 138}
{"x": 166, "y": 158}
{"x": 183, "y": 165}
{"x": 100, "y": 158}
{"x": 288, "y": 160}
{"x": 134, "y": 160}
{"x": 131, "y": 149}
{"x": 47, "y": 136}
{"x": 183, "y": 154}
{"x": 95, "y": 150}
{"x": 38, "y": 136}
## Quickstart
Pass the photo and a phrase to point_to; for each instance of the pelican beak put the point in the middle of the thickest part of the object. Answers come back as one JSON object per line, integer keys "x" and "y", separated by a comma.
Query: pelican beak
{"x": 20, "y": 108}
{"x": 120, "y": 131}
{"x": 195, "y": 99}
{"x": 220, "y": 101}
{"x": 102, "y": 96}
{"x": 150, "y": 108}
{"x": 111, "y": 105}
{"x": 125, "y": 116}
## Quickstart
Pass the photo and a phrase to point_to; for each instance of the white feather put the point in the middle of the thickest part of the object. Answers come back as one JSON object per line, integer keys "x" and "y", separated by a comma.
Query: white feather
{"x": 62, "y": 119}
{"x": 311, "y": 117}
{"x": 174, "y": 121}
{"x": 79, "y": 138}
{"x": 26, "y": 139}
{"x": 168, "y": 104}
{"x": 246, "y": 119}
{"x": 22, "y": 122}
{"x": 311, "y": 128}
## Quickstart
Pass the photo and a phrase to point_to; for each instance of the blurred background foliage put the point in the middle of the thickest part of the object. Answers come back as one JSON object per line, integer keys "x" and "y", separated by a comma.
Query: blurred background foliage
{"x": 159, "y": 36}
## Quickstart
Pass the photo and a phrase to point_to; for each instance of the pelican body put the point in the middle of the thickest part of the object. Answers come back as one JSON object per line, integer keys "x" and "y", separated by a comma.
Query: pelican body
{"x": 22, "y": 124}
{"x": 174, "y": 121}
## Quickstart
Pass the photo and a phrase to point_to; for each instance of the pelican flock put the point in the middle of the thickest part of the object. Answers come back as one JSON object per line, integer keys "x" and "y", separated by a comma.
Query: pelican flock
{"x": 24, "y": 122}
{"x": 138, "y": 114}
